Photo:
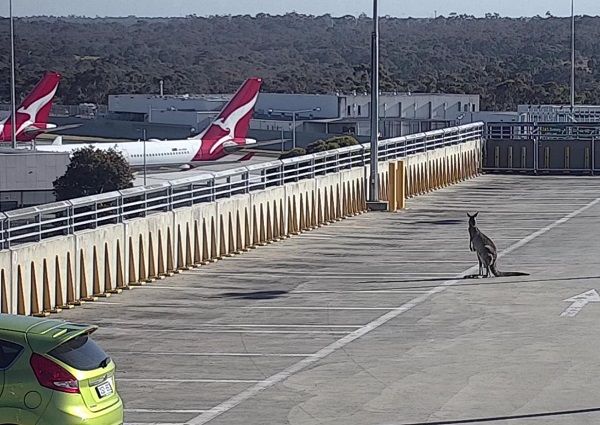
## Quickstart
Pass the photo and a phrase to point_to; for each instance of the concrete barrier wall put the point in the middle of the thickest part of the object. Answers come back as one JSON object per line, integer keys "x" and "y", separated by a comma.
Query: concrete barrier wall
{"x": 63, "y": 272}
{"x": 439, "y": 168}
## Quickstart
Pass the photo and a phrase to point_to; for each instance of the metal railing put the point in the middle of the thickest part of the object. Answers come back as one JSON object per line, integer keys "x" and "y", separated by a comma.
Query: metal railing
{"x": 62, "y": 218}
{"x": 542, "y": 131}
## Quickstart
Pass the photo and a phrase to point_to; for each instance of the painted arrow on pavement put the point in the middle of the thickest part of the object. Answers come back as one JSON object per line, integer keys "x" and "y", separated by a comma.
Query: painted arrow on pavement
{"x": 580, "y": 301}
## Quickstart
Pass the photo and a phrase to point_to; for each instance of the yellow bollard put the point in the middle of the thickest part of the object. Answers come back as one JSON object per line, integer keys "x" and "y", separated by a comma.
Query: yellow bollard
{"x": 400, "y": 186}
{"x": 392, "y": 168}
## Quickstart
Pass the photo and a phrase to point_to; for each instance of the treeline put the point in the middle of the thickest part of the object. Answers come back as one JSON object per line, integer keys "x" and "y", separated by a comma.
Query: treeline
{"x": 507, "y": 61}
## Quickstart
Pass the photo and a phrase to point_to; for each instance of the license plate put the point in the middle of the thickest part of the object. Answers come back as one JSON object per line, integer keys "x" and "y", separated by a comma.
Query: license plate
{"x": 104, "y": 389}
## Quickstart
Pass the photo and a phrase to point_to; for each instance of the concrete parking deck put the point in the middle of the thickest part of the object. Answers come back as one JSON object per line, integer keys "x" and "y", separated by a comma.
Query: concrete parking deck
{"x": 365, "y": 321}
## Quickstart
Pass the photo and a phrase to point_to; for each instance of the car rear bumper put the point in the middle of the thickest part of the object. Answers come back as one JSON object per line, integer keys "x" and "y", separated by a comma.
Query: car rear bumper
{"x": 80, "y": 415}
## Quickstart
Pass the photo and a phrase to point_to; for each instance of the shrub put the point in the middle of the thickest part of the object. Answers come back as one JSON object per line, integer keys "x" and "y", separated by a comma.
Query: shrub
{"x": 293, "y": 153}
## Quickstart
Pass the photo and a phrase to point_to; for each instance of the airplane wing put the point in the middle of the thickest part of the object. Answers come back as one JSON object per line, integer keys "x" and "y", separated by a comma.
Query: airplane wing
{"x": 254, "y": 147}
{"x": 33, "y": 129}
{"x": 85, "y": 139}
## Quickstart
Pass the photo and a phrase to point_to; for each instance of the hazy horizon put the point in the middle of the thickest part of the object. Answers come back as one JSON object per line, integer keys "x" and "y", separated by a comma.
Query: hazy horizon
{"x": 177, "y": 8}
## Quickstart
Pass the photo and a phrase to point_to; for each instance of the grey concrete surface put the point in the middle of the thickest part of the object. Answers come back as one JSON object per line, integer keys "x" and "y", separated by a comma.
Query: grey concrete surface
{"x": 364, "y": 322}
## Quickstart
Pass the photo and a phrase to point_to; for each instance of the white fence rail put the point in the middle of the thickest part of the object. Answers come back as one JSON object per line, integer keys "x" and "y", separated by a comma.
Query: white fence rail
{"x": 33, "y": 224}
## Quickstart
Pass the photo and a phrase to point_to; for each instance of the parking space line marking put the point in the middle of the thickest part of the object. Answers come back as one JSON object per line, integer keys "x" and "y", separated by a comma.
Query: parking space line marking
{"x": 101, "y": 303}
{"x": 161, "y": 353}
{"x": 200, "y": 380}
{"x": 362, "y": 291}
{"x": 213, "y": 273}
{"x": 232, "y": 402}
{"x": 231, "y": 331}
{"x": 293, "y": 307}
{"x": 163, "y": 411}
{"x": 252, "y": 325}
{"x": 152, "y": 423}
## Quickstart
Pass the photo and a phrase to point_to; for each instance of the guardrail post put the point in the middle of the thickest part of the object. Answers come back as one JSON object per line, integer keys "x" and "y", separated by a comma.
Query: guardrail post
{"x": 38, "y": 217}
{"x": 312, "y": 167}
{"x": 246, "y": 181}
{"x": 95, "y": 206}
{"x": 280, "y": 172}
{"x": 170, "y": 198}
{"x": 120, "y": 209}
{"x": 263, "y": 178}
{"x": 145, "y": 203}
{"x": 213, "y": 191}
{"x": 71, "y": 220}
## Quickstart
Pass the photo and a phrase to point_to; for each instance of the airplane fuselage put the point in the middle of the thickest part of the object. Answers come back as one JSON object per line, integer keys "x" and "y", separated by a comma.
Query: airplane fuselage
{"x": 157, "y": 152}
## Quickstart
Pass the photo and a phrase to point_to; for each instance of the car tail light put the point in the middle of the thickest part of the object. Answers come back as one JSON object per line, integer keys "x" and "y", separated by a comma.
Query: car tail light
{"x": 52, "y": 375}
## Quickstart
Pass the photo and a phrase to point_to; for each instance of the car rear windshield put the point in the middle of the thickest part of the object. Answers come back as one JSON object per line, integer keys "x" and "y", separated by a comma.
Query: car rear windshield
{"x": 81, "y": 353}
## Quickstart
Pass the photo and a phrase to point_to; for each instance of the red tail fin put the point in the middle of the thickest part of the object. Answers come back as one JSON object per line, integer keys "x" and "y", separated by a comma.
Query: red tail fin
{"x": 234, "y": 120}
{"x": 35, "y": 108}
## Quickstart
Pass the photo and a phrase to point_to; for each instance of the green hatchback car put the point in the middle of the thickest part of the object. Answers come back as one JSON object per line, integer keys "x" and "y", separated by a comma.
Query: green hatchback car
{"x": 53, "y": 373}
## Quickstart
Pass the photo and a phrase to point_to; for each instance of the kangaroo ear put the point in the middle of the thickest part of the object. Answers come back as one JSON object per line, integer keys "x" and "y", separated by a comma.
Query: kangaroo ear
{"x": 469, "y": 215}
{"x": 475, "y": 215}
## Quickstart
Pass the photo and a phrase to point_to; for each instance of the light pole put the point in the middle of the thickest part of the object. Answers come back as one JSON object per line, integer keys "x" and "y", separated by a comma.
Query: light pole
{"x": 143, "y": 130}
{"x": 293, "y": 112}
{"x": 374, "y": 177}
{"x": 13, "y": 96}
{"x": 572, "y": 62}
{"x": 144, "y": 137}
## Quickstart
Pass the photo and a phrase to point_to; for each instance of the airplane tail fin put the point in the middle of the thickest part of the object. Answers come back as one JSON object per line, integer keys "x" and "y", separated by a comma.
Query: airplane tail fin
{"x": 35, "y": 108}
{"x": 234, "y": 120}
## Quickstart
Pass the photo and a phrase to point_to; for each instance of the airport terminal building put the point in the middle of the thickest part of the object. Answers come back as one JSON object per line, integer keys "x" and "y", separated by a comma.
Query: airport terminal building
{"x": 400, "y": 113}
{"x": 276, "y": 115}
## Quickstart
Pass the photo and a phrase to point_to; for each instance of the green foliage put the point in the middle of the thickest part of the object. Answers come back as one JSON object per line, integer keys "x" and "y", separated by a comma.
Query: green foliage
{"x": 321, "y": 146}
{"x": 506, "y": 60}
{"x": 292, "y": 153}
{"x": 93, "y": 171}
{"x": 333, "y": 143}
{"x": 317, "y": 146}
{"x": 343, "y": 141}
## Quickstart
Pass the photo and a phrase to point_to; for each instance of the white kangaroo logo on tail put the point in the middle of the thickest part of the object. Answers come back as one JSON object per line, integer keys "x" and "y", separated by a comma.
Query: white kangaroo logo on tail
{"x": 32, "y": 110}
{"x": 228, "y": 124}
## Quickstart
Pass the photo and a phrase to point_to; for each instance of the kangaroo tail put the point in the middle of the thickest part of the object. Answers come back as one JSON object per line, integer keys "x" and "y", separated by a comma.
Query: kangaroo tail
{"x": 498, "y": 273}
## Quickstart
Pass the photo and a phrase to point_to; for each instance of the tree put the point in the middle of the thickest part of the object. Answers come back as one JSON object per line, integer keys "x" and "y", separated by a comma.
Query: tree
{"x": 93, "y": 171}
{"x": 456, "y": 54}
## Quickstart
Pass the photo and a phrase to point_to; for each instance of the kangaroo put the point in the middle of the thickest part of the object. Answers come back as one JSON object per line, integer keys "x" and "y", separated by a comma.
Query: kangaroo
{"x": 487, "y": 253}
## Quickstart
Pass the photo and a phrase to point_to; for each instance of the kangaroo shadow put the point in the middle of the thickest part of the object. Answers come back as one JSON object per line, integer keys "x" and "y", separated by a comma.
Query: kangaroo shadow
{"x": 255, "y": 295}
{"x": 480, "y": 282}
{"x": 446, "y": 222}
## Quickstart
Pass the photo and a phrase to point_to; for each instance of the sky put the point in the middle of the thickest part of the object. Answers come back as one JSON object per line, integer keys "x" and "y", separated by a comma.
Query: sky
{"x": 400, "y": 8}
